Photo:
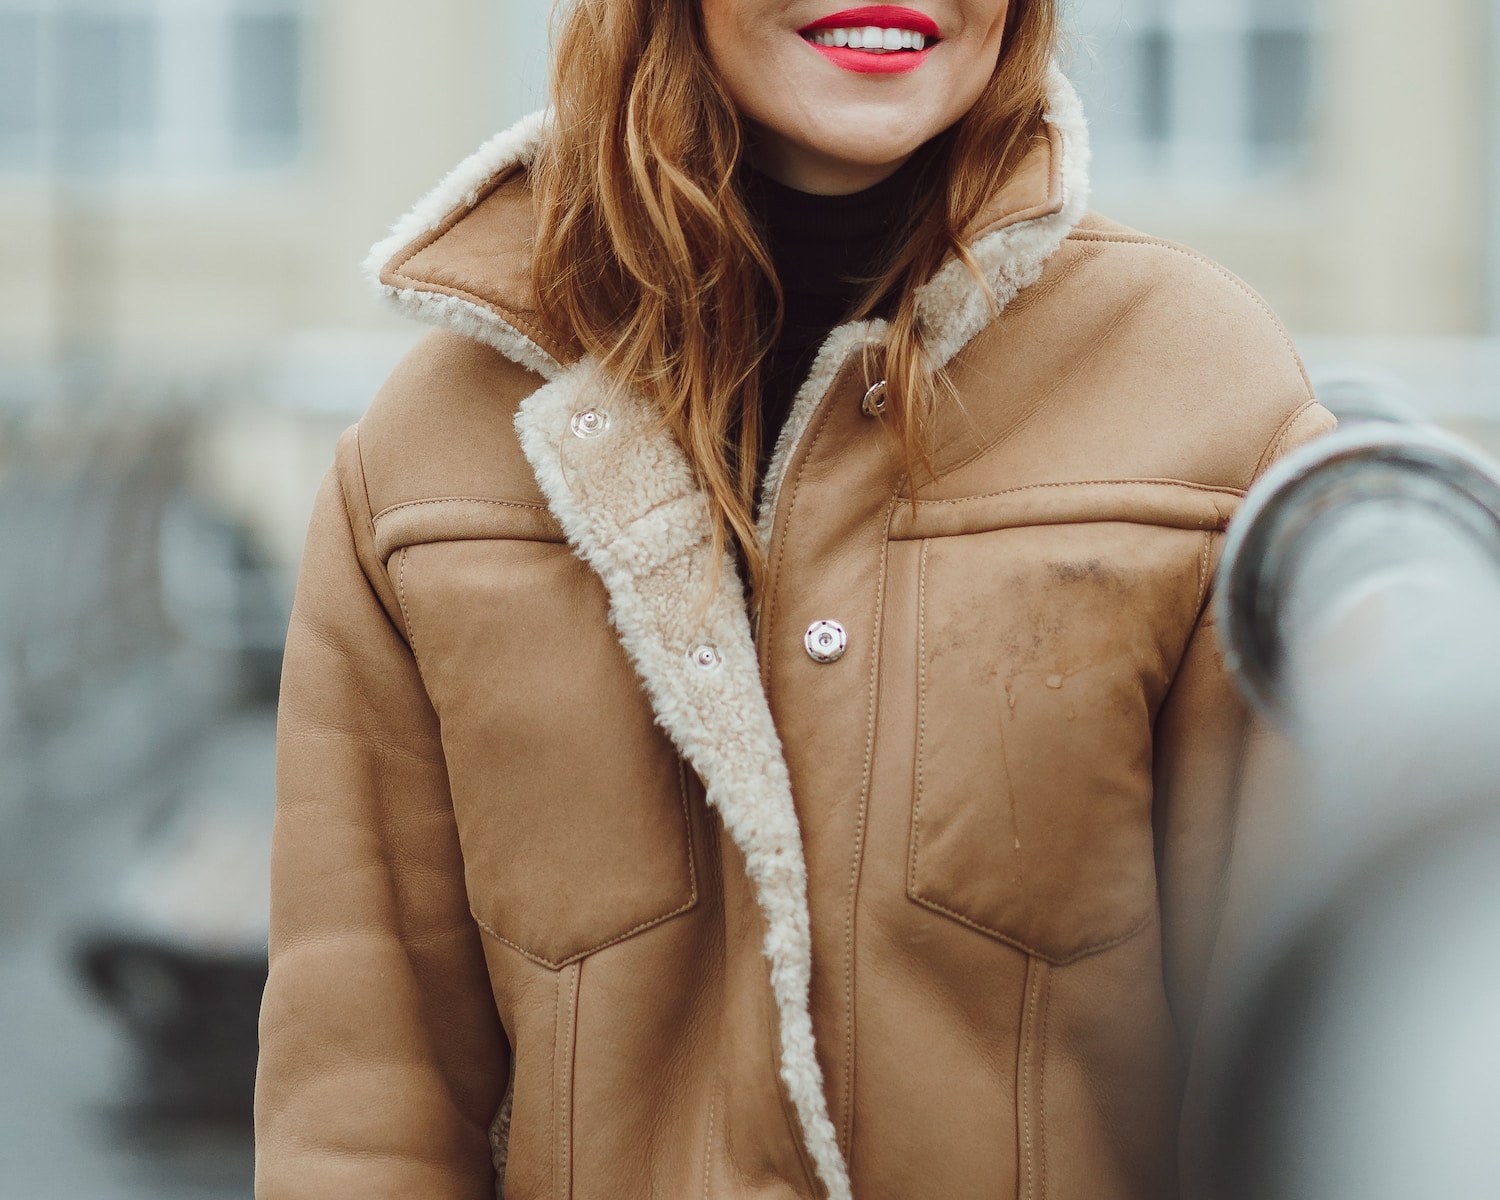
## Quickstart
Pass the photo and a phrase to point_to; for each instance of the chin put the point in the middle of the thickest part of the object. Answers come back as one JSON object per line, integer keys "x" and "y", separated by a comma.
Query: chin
{"x": 873, "y": 148}
{"x": 862, "y": 124}
{"x": 869, "y": 157}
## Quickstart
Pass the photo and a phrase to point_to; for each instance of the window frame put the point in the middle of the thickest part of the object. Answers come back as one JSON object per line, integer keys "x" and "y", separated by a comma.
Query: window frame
{"x": 191, "y": 130}
{"x": 1208, "y": 101}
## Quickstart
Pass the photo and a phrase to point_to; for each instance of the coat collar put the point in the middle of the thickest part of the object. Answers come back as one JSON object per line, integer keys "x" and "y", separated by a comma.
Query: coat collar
{"x": 461, "y": 258}
{"x": 625, "y": 495}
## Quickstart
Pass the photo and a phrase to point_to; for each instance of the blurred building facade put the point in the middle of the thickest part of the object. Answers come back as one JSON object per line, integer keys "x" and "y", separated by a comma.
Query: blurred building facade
{"x": 188, "y": 180}
{"x": 1341, "y": 155}
{"x": 189, "y": 186}
{"x": 192, "y": 177}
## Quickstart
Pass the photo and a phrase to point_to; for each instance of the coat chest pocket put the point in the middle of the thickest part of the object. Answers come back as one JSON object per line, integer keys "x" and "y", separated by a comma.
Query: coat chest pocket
{"x": 1043, "y": 655}
{"x": 572, "y": 806}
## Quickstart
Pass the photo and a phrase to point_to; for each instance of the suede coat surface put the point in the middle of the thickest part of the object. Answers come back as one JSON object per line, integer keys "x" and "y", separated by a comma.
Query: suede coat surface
{"x": 582, "y": 890}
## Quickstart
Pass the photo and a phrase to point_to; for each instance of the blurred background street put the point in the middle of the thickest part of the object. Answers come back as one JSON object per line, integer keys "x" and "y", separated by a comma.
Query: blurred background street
{"x": 187, "y": 189}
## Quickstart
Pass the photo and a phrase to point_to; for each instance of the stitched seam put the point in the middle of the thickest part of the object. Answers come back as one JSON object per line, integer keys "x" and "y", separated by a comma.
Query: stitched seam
{"x": 978, "y": 529}
{"x": 434, "y": 233}
{"x": 397, "y": 265}
{"x": 485, "y": 309}
{"x": 411, "y": 637}
{"x": 559, "y": 964}
{"x": 1060, "y": 269}
{"x": 1203, "y": 558}
{"x": 1027, "y": 1056}
{"x": 1012, "y": 940}
{"x": 364, "y": 480}
{"x": 1259, "y": 301}
{"x": 565, "y": 1126}
{"x": 1209, "y": 488}
{"x": 824, "y": 416}
{"x": 912, "y": 888}
{"x": 687, "y": 821}
{"x": 507, "y": 539}
{"x": 552, "y": 1089}
{"x": 506, "y": 316}
{"x": 1279, "y": 438}
{"x": 708, "y": 1152}
{"x": 385, "y": 512}
{"x": 877, "y": 625}
{"x": 1045, "y": 998}
{"x": 916, "y": 805}
{"x": 1074, "y": 368}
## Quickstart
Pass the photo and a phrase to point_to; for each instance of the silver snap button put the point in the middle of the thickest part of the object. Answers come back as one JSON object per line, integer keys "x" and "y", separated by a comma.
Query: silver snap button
{"x": 826, "y": 641}
{"x": 590, "y": 423}
{"x": 706, "y": 657}
{"x": 875, "y": 399}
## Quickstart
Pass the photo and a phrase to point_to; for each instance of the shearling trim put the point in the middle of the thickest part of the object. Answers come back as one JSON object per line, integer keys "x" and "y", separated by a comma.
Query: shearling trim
{"x": 476, "y": 321}
{"x": 952, "y": 307}
{"x": 835, "y": 351}
{"x": 462, "y": 189}
{"x": 630, "y": 506}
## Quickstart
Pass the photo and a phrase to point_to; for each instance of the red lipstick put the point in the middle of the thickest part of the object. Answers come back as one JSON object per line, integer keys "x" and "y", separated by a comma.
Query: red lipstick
{"x": 874, "y": 59}
{"x": 882, "y": 16}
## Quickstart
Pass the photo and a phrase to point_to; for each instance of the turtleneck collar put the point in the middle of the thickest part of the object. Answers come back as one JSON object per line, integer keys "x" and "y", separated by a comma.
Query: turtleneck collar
{"x": 827, "y": 251}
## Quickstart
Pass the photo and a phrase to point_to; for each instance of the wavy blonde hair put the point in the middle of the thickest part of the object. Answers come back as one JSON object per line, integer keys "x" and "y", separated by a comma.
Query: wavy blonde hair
{"x": 647, "y": 255}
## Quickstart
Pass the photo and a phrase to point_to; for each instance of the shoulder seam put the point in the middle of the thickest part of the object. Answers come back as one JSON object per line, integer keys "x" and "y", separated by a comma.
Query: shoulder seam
{"x": 1278, "y": 439}
{"x": 1127, "y": 239}
{"x": 364, "y": 481}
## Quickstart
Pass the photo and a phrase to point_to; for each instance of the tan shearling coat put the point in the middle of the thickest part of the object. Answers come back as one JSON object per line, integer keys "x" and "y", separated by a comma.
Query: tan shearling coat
{"x": 575, "y": 896}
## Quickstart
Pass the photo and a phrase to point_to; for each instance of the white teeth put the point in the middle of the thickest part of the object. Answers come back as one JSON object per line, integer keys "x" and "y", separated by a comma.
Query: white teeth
{"x": 871, "y": 38}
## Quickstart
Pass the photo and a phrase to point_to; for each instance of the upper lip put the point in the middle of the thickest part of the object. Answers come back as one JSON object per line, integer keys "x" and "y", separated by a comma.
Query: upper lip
{"x": 883, "y": 16}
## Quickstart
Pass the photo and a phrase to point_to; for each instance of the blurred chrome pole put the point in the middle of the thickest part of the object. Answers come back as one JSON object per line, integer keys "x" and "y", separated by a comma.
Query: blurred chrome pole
{"x": 1360, "y": 599}
{"x": 1360, "y": 602}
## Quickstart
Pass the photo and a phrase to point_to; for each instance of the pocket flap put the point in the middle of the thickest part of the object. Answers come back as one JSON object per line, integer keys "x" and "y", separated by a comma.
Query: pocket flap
{"x": 462, "y": 519}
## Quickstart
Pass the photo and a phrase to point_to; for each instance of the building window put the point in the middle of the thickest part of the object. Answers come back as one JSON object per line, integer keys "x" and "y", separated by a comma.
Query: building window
{"x": 1196, "y": 90}
{"x": 150, "y": 86}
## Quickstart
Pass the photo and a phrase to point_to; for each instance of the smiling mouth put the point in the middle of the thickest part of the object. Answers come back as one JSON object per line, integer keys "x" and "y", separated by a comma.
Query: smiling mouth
{"x": 877, "y": 31}
{"x": 871, "y": 38}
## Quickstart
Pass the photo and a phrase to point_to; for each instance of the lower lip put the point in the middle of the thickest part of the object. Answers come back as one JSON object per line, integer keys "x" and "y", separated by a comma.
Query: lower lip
{"x": 862, "y": 62}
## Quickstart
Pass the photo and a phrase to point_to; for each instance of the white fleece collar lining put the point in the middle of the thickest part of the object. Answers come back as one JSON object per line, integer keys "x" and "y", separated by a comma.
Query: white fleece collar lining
{"x": 629, "y": 505}
{"x": 462, "y": 188}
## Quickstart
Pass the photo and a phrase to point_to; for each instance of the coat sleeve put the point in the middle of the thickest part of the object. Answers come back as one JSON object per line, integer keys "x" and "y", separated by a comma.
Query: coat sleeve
{"x": 382, "y": 1058}
{"x": 1224, "y": 806}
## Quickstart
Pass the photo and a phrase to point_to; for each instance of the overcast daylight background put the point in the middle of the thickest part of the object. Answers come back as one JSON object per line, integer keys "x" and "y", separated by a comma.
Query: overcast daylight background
{"x": 187, "y": 188}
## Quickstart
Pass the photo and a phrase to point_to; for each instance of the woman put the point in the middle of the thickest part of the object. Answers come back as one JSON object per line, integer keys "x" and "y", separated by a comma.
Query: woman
{"x": 751, "y": 723}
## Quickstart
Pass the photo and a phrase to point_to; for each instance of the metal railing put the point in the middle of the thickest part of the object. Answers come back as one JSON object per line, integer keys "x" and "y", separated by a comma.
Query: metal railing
{"x": 1360, "y": 601}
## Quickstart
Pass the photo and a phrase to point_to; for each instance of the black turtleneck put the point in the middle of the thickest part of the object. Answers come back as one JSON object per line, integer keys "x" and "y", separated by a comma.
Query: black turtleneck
{"x": 827, "y": 251}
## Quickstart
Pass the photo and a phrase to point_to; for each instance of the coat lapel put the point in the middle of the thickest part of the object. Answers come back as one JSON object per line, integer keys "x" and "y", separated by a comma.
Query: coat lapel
{"x": 624, "y": 493}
